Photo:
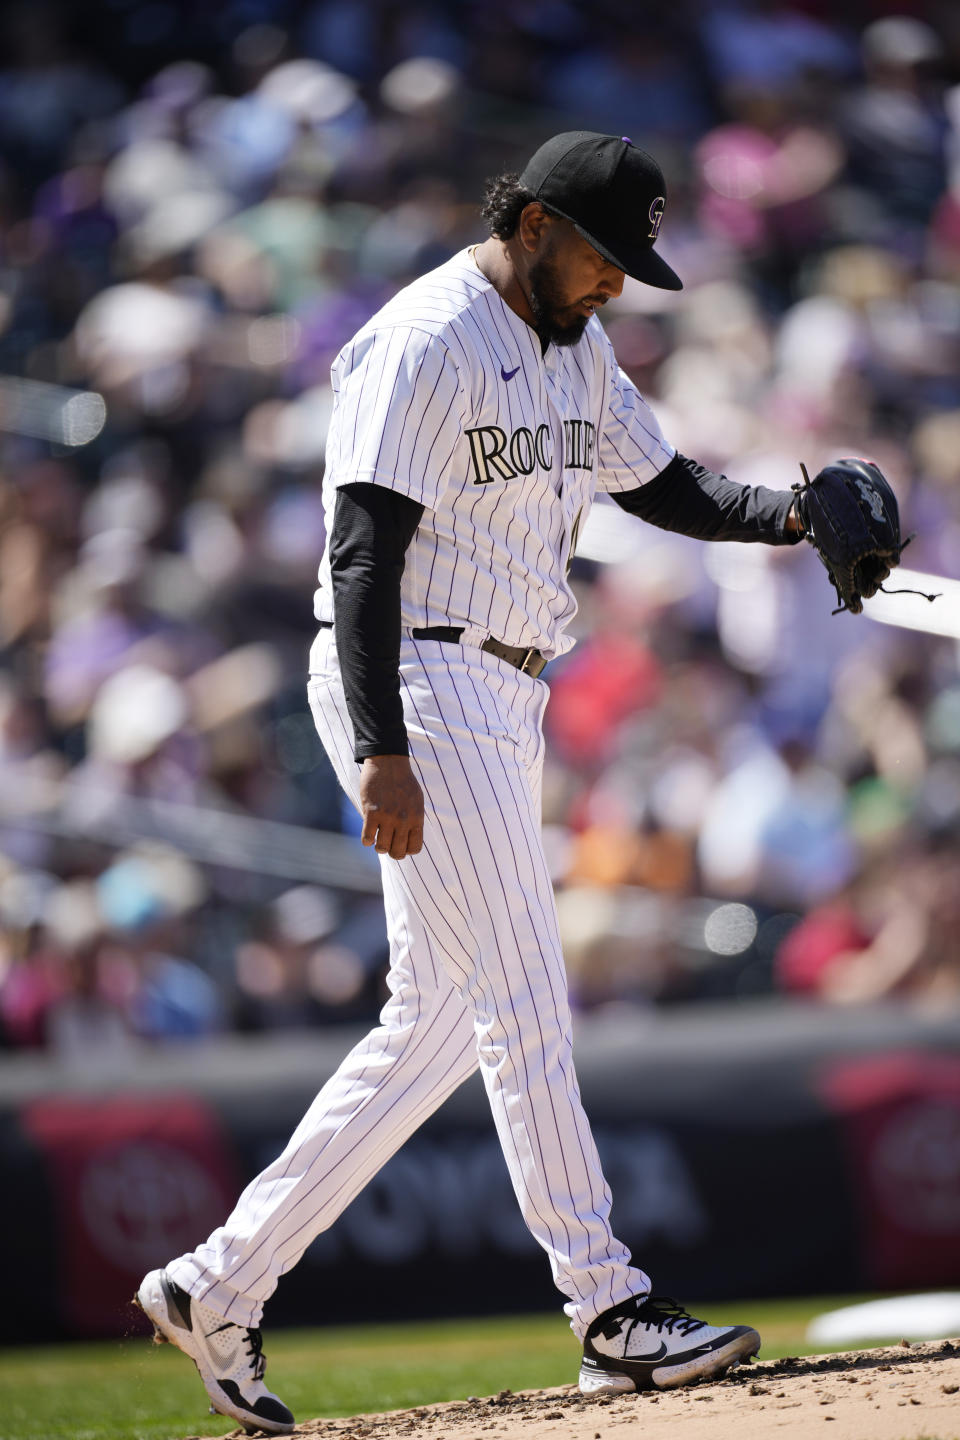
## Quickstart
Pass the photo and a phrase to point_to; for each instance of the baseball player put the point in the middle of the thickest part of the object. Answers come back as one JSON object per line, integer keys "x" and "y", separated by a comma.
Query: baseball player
{"x": 476, "y": 415}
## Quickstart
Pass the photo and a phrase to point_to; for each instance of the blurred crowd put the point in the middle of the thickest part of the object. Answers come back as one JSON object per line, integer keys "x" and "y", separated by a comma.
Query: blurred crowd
{"x": 198, "y": 206}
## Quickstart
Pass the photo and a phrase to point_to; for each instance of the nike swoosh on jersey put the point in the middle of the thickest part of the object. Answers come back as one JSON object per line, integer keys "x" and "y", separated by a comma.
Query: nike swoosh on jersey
{"x": 509, "y": 374}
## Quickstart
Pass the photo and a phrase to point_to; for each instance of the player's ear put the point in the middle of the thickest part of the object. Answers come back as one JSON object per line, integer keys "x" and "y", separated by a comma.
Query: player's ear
{"x": 533, "y": 224}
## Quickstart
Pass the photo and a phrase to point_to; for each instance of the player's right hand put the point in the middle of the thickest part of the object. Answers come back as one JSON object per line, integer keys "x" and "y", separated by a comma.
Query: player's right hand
{"x": 391, "y": 803}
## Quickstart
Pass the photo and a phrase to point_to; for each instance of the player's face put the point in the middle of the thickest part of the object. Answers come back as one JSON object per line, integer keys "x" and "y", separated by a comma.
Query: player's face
{"x": 568, "y": 281}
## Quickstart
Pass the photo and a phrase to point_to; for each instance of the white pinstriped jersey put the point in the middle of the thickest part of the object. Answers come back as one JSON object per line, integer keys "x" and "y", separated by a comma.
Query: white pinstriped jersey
{"x": 445, "y": 396}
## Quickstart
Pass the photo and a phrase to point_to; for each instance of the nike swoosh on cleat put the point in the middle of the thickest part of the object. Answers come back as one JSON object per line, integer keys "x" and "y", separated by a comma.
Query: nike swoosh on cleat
{"x": 657, "y": 1354}
{"x": 509, "y": 374}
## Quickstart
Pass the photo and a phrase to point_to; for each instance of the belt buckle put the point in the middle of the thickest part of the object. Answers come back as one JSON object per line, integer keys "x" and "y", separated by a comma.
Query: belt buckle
{"x": 529, "y": 655}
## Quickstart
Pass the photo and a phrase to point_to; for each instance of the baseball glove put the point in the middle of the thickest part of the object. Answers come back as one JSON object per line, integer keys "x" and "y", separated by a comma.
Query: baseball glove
{"x": 849, "y": 514}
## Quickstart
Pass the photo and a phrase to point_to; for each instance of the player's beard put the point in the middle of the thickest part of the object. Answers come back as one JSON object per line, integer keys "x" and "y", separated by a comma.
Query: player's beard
{"x": 552, "y": 317}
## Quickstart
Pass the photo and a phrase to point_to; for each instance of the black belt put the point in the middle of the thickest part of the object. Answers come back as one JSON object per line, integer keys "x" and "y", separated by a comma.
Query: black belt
{"x": 530, "y": 661}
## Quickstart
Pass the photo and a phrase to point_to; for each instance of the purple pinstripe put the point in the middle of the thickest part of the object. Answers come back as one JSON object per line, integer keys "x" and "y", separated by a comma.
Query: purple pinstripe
{"x": 492, "y": 556}
{"x": 476, "y": 975}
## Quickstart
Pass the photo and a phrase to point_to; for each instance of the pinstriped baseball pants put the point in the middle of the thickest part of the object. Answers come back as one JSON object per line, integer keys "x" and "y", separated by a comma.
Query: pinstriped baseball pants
{"x": 476, "y": 978}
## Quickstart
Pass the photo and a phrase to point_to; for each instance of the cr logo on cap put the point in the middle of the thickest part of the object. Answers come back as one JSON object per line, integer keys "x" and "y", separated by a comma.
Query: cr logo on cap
{"x": 656, "y": 215}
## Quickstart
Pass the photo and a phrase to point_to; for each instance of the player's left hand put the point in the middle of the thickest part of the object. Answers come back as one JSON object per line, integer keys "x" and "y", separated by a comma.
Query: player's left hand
{"x": 849, "y": 515}
{"x": 392, "y": 806}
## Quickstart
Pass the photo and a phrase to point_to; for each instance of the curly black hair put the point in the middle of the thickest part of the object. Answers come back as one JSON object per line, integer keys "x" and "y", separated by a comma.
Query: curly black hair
{"x": 504, "y": 200}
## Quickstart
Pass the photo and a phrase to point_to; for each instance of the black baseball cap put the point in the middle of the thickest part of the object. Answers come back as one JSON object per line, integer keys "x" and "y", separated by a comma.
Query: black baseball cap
{"x": 612, "y": 192}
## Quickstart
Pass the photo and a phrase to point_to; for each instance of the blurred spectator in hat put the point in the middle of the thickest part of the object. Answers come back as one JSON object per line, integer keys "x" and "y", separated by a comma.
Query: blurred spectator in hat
{"x": 805, "y": 849}
{"x": 617, "y": 945}
{"x": 30, "y": 772}
{"x": 135, "y": 341}
{"x": 420, "y": 230}
{"x": 100, "y": 618}
{"x": 78, "y": 228}
{"x": 896, "y": 935}
{"x": 139, "y": 743}
{"x": 644, "y": 82}
{"x": 829, "y": 930}
{"x": 338, "y": 953}
{"x": 895, "y": 129}
{"x": 766, "y": 44}
{"x": 255, "y": 51}
{"x": 309, "y": 961}
{"x": 944, "y": 246}
{"x": 345, "y": 33}
{"x": 46, "y": 90}
{"x": 40, "y": 506}
{"x": 765, "y": 183}
{"x": 415, "y": 138}
{"x": 85, "y": 1024}
{"x": 147, "y": 896}
{"x": 30, "y": 972}
{"x": 935, "y": 500}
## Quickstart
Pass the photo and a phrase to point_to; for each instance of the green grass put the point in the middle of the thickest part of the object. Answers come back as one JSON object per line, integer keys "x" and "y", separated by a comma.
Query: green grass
{"x": 132, "y": 1390}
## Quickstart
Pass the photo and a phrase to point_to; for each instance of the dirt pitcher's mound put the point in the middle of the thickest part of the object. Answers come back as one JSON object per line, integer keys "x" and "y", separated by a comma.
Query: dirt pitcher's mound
{"x": 903, "y": 1393}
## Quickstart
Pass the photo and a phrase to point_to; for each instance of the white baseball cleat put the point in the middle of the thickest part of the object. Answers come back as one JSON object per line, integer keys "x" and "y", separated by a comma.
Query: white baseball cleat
{"x": 229, "y": 1357}
{"x": 651, "y": 1343}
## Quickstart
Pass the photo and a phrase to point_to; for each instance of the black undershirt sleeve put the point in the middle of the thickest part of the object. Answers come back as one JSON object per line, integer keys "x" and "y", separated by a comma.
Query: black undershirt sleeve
{"x": 688, "y": 498}
{"x": 372, "y": 528}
